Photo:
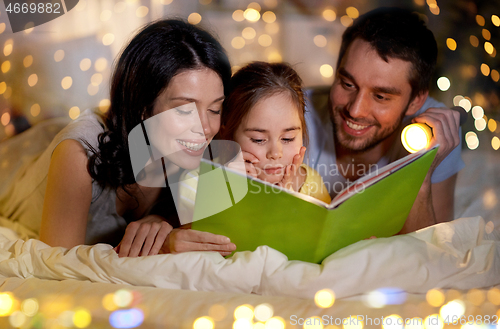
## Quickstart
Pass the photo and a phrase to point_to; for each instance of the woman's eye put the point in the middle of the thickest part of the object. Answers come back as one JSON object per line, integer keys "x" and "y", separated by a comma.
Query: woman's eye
{"x": 257, "y": 141}
{"x": 288, "y": 140}
{"x": 215, "y": 111}
{"x": 181, "y": 112}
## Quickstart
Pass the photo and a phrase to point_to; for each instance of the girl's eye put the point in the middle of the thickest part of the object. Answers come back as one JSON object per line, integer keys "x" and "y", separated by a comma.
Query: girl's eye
{"x": 288, "y": 140}
{"x": 257, "y": 141}
{"x": 181, "y": 112}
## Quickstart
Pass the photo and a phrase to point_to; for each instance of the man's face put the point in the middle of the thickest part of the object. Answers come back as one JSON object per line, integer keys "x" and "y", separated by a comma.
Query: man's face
{"x": 369, "y": 97}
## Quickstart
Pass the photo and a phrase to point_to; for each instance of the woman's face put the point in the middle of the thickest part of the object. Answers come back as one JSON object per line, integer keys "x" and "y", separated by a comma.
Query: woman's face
{"x": 186, "y": 116}
{"x": 272, "y": 131}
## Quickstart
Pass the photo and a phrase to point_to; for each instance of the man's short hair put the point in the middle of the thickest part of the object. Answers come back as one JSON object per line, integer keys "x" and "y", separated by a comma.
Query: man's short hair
{"x": 397, "y": 33}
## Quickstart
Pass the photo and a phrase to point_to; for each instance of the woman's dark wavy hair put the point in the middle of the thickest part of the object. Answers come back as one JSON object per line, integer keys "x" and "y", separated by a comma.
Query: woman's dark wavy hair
{"x": 257, "y": 81}
{"x": 155, "y": 55}
{"x": 397, "y": 33}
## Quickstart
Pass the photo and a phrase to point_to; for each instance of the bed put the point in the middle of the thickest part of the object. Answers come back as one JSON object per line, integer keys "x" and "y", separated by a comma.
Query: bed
{"x": 451, "y": 269}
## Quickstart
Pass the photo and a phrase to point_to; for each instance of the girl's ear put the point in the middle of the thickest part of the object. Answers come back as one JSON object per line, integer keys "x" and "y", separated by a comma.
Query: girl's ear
{"x": 417, "y": 103}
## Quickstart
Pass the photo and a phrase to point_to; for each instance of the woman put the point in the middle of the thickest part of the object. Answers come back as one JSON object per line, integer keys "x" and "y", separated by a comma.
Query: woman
{"x": 85, "y": 178}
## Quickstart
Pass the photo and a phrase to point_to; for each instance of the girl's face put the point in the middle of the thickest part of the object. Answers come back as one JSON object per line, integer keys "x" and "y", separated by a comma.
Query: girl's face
{"x": 272, "y": 131}
{"x": 189, "y": 116}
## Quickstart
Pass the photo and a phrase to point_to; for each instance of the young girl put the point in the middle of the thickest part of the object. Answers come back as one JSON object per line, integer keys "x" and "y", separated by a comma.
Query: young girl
{"x": 264, "y": 114}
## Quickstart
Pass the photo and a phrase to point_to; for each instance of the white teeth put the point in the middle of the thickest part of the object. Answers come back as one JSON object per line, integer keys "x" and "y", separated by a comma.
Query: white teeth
{"x": 355, "y": 126}
{"x": 192, "y": 146}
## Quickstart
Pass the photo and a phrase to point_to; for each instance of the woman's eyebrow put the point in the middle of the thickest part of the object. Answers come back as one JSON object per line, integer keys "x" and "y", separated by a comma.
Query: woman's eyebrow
{"x": 192, "y": 100}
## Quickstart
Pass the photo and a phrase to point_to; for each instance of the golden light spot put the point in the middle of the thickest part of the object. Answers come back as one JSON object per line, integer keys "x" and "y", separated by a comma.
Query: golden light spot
{"x": 120, "y": 7}
{"x": 27, "y": 61}
{"x": 492, "y": 125}
{"x": 101, "y": 64}
{"x": 59, "y": 55}
{"x": 92, "y": 90}
{"x": 32, "y": 80}
{"x": 275, "y": 322}
{"x": 433, "y": 321}
{"x": 2, "y": 27}
{"x": 432, "y": 3}
{"x": 495, "y": 76}
{"x": 5, "y": 118}
{"x": 108, "y": 39}
{"x": 244, "y": 311}
{"x": 346, "y": 21}
{"x": 320, "y": 41}
{"x": 108, "y": 302}
{"x": 8, "y": 46}
{"x": 271, "y": 3}
{"x": 85, "y": 64}
{"x": 393, "y": 321}
{"x": 8, "y": 92}
{"x": 443, "y": 83}
{"x": 238, "y": 42}
{"x": 495, "y": 20}
{"x": 451, "y": 44}
{"x": 476, "y": 296}
{"x": 435, "y": 10}
{"x": 82, "y": 318}
{"x": 105, "y": 15}
{"x": 324, "y": 298}
{"x": 74, "y": 112}
{"x": 248, "y": 33}
{"x": 104, "y": 105}
{"x": 352, "y": 12}
{"x": 194, "y": 18}
{"x": 96, "y": 79}
{"x": 471, "y": 140}
{"x": 9, "y": 131}
{"x": 485, "y": 69}
{"x": 435, "y": 297}
{"x": 17, "y": 319}
{"x": 166, "y": 2}
{"x": 217, "y": 312}
{"x": 35, "y": 111}
{"x": 254, "y": 5}
{"x": 414, "y": 323}
{"x": 269, "y": 17}
{"x": 265, "y": 40}
{"x": 29, "y": 27}
{"x": 477, "y": 112}
{"x": 489, "y": 197}
{"x": 66, "y": 82}
{"x": 123, "y": 298}
{"x": 313, "y": 322}
{"x": 480, "y": 20}
{"x": 272, "y": 28}
{"x": 455, "y": 307}
{"x": 5, "y": 66}
{"x": 486, "y": 34}
{"x": 239, "y": 15}
{"x": 329, "y": 15}
{"x": 204, "y": 322}
{"x": 353, "y": 322}
{"x": 274, "y": 57}
{"x": 3, "y": 87}
{"x": 6, "y": 303}
{"x": 474, "y": 41}
{"x": 488, "y": 47}
{"x": 251, "y": 15}
{"x": 142, "y": 11}
{"x": 242, "y": 324}
{"x": 494, "y": 293}
{"x": 480, "y": 124}
{"x": 326, "y": 70}
{"x": 263, "y": 312}
{"x": 205, "y": 2}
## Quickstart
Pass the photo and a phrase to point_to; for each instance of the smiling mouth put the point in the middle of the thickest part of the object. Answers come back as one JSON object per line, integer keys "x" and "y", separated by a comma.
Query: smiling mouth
{"x": 192, "y": 146}
{"x": 355, "y": 126}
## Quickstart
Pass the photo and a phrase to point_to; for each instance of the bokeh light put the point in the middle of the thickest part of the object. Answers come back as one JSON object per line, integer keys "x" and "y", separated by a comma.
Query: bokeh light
{"x": 248, "y": 33}
{"x": 217, "y": 312}
{"x": 414, "y": 323}
{"x": 393, "y": 321}
{"x": 5, "y": 67}
{"x": 324, "y": 298}
{"x": 329, "y": 15}
{"x": 6, "y": 302}
{"x": 59, "y": 55}
{"x": 17, "y": 319}
{"x": 352, "y": 12}
{"x": 495, "y": 20}
{"x": 477, "y": 112}
{"x": 194, "y": 18}
{"x": 96, "y": 79}
{"x": 346, "y": 21}
{"x": 495, "y": 144}
{"x": 5, "y": 118}
{"x": 3, "y": 87}
{"x": 35, "y": 111}
{"x": 353, "y": 322}
{"x": 263, "y": 312}
{"x": 251, "y": 15}
{"x": 480, "y": 124}
{"x": 265, "y": 40}
{"x": 486, "y": 34}
{"x": 269, "y": 17}
{"x": 244, "y": 311}
{"x": 105, "y": 15}
{"x": 485, "y": 69}
{"x": 326, "y": 70}
{"x": 472, "y": 140}
{"x": 82, "y": 318}
{"x": 238, "y": 15}
{"x": 492, "y": 125}
{"x": 104, "y": 105}
{"x": 454, "y": 308}
{"x": 123, "y": 298}
{"x": 443, "y": 83}
{"x": 476, "y": 296}
{"x": 274, "y": 57}
{"x": 130, "y": 318}
{"x": 8, "y": 46}
{"x": 474, "y": 41}
{"x": 85, "y": 64}
{"x": 30, "y": 306}
{"x": 101, "y": 64}
{"x": 74, "y": 112}
{"x": 204, "y": 322}
{"x": 275, "y": 322}
{"x": 142, "y": 11}
{"x": 32, "y": 80}
{"x": 435, "y": 297}
{"x": 313, "y": 322}
{"x": 66, "y": 82}
{"x": 254, "y": 5}
{"x": 108, "y": 302}
{"x": 27, "y": 61}
{"x": 320, "y": 40}
{"x": 480, "y": 20}
{"x": 451, "y": 44}
{"x": 433, "y": 321}
{"x": 238, "y": 42}
{"x": 466, "y": 104}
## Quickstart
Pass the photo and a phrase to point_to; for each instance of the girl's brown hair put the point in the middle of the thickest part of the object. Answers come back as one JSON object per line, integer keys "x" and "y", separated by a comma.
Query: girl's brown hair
{"x": 255, "y": 82}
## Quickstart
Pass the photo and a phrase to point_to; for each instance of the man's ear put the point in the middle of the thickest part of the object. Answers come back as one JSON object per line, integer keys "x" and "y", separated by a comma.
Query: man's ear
{"x": 417, "y": 103}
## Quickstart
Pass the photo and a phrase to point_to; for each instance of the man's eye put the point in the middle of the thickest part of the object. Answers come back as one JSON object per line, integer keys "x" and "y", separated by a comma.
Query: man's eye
{"x": 381, "y": 97}
{"x": 347, "y": 84}
{"x": 288, "y": 140}
{"x": 257, "y": 141}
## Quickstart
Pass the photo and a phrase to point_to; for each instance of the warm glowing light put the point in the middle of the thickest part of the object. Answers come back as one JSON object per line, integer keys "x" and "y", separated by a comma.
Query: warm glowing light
{"x": 476, "y": 296}
{"x": 477, "y": 112}
{"x": 435, "y": 297}
{"x": 17, "y": 319}
{"x": 82, "y": 318}
{"x": 194, "y": 18}
{"x": 495, "y": 143}
{"x": 74, "y": 112}
{"x": 466, "y": 104}
{"x": 59, "y": 55}
{"x": 123, "y": 298}
{"x": 432, "y": 3}
{"x": 85, "y": 64}
{"x": 474, "y": 41}
{"x": 265, "y": 40}
{"x": 271, "y": 3}
{"x": 486, "y": 34}
{"x": 105, "y": 15}
{"x": 205, "y": 2}
{"x": 480, "y": 124}
{"x": 324, "y": 298}
{"x": 492, "y": 125}
{"x": 393, "y": 321}
{"x": 352, "y": 12}
{"x": 8, "y": 46}
{"x": 248, "y": 33}
{"x": 92, "y": 90}
{"x": 254, "y": 5}
{"x": 108, "y": 302}
{"x": 346, "y": 21}
{"x": 251, "y": 15}
{"x": 320, "y": 40}
{"x": 101, "y": 64}
{"x": 3, "y": 87}
{"x": 6, "y": 303}
{"x": 495, "y": 75}
{"x": 488, "y": 47}
{"x": 275, "y": 322}
{"x": 472, "y": 140}
{"x": 243, "y": 324}
{"x": 495, "y": 20}
{"x": 435, "y": 10}
{"x": 272, "y": 28}
{"x": 29, "y": 27}
{"x": 329, "y": 15}
{"x": 269, "y": 17}
{"x": 104, "y": 105}
{"x": 451, "y": 44}
{"x": 27, "y": 61}
{"x": 32, "y": 80}
{"x": 480, "y": 20}
{"x": 244, "y": 311}
{"x": 375, "y": 299}
{"x": 2, "y": 27}
{"x": 217, "y": 312}
{"x": 238, "y": 42}
{"x": 416, "y": 137}
{"x": 455, "y": 307}
{"x": 353, "y": 322}
{"x": 313, "y": 322}
{"x": 239, "y": 15}
{"x": 5, "y": 66}
{"x": 326, "y": 70}
{"x": 5, "y": 118}
{"x": 166, "y": 2}
{"x": 274, "y": 57}
{"x": 443, "y": 83}
{"x": 108, "y": 39}
{"x": 204, "y": 322}
{"x": 142, "y": 11}
{"x": 263, "y": 312}
{"x": 96, "y": 79}
{"x": 35, "y": 111}
{"x": 414, "y": 323}
{"x": 433, "y": 321}
{"x": 66, "y": 82}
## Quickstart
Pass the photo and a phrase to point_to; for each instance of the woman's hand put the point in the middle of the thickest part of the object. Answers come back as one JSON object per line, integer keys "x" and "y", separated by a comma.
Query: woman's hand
{"x": 182, "y": 240}
{"x": 249, "y": 160}
{"x": 144, "y": 237}
{"x": 292, "y": 176}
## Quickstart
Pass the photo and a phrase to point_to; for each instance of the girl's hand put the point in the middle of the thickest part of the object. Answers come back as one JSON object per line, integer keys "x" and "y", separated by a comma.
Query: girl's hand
{"x": 291, "y": 178}
{"x": 182, "y": 240}
{"x": 249, "y": 160}
{"x": 144, "y": 237}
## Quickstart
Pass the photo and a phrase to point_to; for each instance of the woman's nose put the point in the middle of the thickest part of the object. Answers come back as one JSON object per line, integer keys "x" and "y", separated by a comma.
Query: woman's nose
{"x": 203, "y": 125}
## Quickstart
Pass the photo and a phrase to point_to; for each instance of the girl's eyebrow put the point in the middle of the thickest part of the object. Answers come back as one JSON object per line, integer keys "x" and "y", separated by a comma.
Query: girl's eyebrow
{"x": 265, "y": 131}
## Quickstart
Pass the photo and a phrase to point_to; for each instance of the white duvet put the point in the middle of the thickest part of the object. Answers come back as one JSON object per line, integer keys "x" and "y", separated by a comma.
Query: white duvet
{"x": 462, "y": 254}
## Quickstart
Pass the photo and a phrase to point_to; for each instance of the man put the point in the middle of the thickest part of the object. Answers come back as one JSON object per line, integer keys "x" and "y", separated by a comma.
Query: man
{"x": 382, "y": 83}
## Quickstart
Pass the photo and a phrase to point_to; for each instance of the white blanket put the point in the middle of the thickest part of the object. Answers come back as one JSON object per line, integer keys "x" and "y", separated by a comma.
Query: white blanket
{"x": 462, "y": 254}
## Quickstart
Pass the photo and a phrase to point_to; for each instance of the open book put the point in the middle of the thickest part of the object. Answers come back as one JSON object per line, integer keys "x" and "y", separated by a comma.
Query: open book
{"x": 252, "y": 212}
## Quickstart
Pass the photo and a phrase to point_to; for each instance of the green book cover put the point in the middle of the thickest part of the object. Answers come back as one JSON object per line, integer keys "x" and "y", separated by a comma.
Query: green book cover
{"x": 253, "y": 213}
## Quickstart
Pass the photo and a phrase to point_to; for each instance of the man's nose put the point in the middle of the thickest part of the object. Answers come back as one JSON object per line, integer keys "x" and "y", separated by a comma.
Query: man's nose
{"x": 359, "y": 105}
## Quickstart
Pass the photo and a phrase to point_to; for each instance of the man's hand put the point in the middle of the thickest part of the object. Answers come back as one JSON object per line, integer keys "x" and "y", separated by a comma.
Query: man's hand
{"x": 182, "y": 240}
{"x": 144, "y": 237}
{"x": 445, "y": 130}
